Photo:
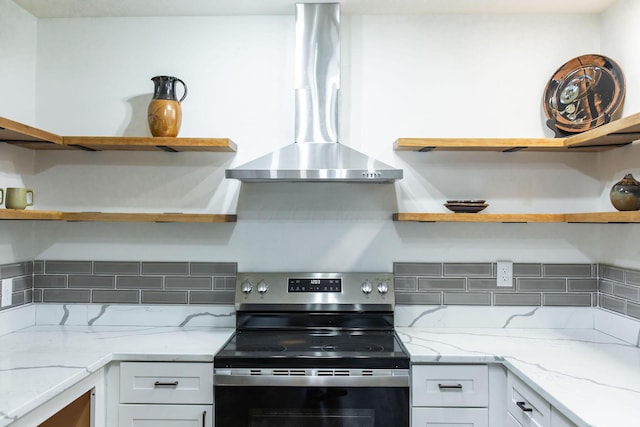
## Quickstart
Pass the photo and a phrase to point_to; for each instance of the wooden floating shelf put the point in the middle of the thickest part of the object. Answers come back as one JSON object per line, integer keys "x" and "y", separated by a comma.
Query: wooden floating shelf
{"x": 606, "y": 137}
{"x": 36, "y": 139}
{"x": 102, "y": 143}
{"x": 592, "y": 217}
{"x": 12, "y": 214}
{"x": 20, "y": 134}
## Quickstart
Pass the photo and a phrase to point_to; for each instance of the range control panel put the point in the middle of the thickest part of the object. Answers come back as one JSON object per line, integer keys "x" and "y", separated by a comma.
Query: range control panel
{"x": 307, "y": 284}
{"x": 330, "y": 291}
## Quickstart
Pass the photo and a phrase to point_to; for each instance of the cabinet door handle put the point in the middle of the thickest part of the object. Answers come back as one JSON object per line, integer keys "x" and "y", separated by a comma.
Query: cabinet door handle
{"x": 204, "y": 417}
{"x": 456, "y": 387}
{"x": 159, "y": 384}
{"x": 522, "y": 406}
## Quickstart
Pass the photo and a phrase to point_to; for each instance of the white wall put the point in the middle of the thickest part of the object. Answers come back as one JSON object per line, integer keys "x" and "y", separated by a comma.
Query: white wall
{"x": 18, "y": 32}
{"x": 620, "y": 35}
{"x": 403, "y": 76}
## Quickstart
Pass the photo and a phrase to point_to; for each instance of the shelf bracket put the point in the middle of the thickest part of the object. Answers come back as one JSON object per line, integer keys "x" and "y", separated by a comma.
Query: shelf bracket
{"x": 514, "y": 149}
{"x": 167, "y": 149}
{"x": 82, "y": 147}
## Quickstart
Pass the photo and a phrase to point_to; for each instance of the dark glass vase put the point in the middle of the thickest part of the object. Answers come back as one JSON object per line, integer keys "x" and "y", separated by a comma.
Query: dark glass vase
{"x": 625, "y": 194}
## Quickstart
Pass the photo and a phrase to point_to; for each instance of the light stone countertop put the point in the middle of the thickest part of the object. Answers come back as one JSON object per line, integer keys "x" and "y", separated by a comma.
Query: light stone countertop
{"x": 40, "y": 362}
{"x": 590, "y": 376}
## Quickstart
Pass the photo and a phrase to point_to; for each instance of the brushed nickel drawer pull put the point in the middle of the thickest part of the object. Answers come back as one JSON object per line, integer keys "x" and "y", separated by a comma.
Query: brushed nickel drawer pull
{"x": 159, "y": 384}
{"x": 455, "y": 387}
{"x": 524, "y": 408}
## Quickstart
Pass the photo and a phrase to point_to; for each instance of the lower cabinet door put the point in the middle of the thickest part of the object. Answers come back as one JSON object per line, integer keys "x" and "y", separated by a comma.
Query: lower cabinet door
{"x": 511, "y": 422}
{"x": 449, "y": 417}
{"x": 165, "y": 416}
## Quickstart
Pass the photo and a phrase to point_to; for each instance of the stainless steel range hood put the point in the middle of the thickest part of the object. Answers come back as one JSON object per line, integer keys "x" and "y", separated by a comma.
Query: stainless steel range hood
{"x": 316, "y": 155}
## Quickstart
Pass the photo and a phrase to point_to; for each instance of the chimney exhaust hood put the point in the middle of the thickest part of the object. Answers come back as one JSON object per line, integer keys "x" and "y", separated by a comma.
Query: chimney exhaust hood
{"x": 316, "y": 155}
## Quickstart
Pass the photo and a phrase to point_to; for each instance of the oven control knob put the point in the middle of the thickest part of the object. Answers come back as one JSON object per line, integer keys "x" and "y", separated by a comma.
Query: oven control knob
{"x": 367, "y": 287}
{"x": 246, "y": 287}
{"x": 383, "y": 287}
{"x": 263, "y": 287}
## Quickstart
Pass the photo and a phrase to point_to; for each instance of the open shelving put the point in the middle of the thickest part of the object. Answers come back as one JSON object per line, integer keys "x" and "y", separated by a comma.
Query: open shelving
{"x": 588, "y": 218}
{"x": 25, "y": 136}
{"x": 612, "y": 135}
{"x": 47, "y": 215}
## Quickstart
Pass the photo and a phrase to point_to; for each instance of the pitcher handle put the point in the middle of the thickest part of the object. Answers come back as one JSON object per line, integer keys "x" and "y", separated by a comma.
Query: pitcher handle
{"x": 185, "y": 90}
{"x": 33, "y": 199}
{"x": 1, "y": 196}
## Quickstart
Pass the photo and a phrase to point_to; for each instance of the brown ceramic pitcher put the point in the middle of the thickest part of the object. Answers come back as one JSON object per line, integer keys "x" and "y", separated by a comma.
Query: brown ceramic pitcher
{"x": 164, "y": 112}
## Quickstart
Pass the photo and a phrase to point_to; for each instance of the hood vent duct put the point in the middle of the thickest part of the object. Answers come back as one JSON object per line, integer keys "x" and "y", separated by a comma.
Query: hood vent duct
{"x": 316, "y": 155}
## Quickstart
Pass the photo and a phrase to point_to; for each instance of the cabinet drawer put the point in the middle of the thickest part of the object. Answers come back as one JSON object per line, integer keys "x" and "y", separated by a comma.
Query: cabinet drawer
{"x": 450, "y": 385}
{"x": 451, "y": 417}
{"x": 165, "y": 415}
{"x": 173, "y": 383}
{"x": 526, "y": 406}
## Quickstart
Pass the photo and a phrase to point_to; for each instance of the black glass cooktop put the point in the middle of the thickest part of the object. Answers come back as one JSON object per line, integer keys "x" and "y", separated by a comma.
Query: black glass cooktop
{"x": 312, "y": 349}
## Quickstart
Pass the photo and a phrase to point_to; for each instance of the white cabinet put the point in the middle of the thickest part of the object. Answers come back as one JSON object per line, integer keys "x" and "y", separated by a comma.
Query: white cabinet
{"x": 526, "y": 408}
{"x": 451, "y": 395}
{"x": 165, "y": 394}
{"x": 165, "y": 415}
{"x": 449, "y": 417}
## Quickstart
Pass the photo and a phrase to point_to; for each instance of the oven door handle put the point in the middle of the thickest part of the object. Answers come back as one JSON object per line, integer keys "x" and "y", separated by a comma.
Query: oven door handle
{"x": 310, "y": 381}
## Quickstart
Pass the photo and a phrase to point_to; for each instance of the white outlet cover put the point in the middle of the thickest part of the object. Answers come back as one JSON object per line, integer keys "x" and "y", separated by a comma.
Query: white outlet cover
{"x": 504, "y": 274}
{"x": 7, "y": 290}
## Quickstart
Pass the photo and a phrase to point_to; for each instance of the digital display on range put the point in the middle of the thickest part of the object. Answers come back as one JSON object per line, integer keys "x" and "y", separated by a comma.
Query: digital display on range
{"x": 315, "y": 285}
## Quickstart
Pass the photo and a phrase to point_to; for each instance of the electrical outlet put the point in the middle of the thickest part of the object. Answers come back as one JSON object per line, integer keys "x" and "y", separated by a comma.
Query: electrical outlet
{"x": 7, "y": 290}
{"x": 504, "y": 274}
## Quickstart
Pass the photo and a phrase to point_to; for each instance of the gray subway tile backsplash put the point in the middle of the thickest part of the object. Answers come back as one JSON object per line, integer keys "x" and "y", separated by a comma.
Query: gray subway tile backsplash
{"x": 92, "y": 282}
{"x": 421, "y": 298}
{"x": 568, "y": 299}
{"x": 467, "y": 298}
{"x": 143, "y": 282}
{"x": 613, "y": 273}
{"x": 116, "y": 267}
{"x": 632, "y": 277}
{"x": 626, "y": 292}
{"x": 582, "y": 285}
{"x": 417, "y": 269}
{"x": 68, "y": 267}
{"x": 66, "y": 295}
{"x": 488, "y": 285}
{"x": 164, "y": 297}
{"x": 211, "y": 297}
{"x": 139, "y": 282}
{"x": 101, "y": 296}
{"x": 468, "y": 269}
{"x": 213, "y": 269}
{"x": 441, "y": 284}
{"x": 567, "y": 270}
{"x": 165, "y": 268}
{"x": 224, "y": 283}
{"x": 50, "y": 281}
{"x": 177, "y": 283}
{"x": 521, "y": 269}
{"x": 541, "y": 285}
{"x": 633, "y": 310}
{"x": 122, "y": 282}
{"x": 612, "y": 303}
{"x": 517, "y": 299}
{"x": 405, "y": 284}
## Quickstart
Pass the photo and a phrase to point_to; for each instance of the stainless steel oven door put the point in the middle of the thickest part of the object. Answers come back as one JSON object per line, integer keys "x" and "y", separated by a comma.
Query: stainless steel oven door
{"x": 311, "y": 398}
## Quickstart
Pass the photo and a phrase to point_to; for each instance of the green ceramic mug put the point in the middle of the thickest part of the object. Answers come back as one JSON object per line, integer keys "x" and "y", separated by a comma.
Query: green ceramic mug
{"x": 18, "y": 198}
